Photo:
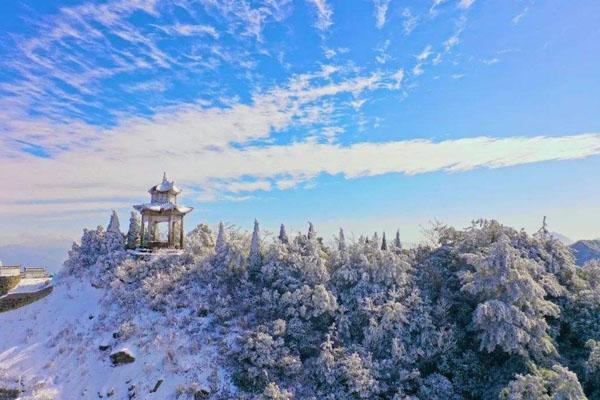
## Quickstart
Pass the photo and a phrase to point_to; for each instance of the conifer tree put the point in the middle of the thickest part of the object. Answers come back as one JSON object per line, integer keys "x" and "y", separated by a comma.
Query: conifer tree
{"x": 113, "y": 225}
{"x": 311, "y": 231}
{"x": 113, "y": 239}
{"x": 255, "y": 256}
{"x": 341, "y": 241}
{"x": 133, "y": 234}
{"x": 512, "y": 307}
{"x": 283, "y": 237}
{"x": 397, "y": 243}
{"x": 220, "y": 243}
{"x": 375, "y": 240}
{"x": 384, "y": 243}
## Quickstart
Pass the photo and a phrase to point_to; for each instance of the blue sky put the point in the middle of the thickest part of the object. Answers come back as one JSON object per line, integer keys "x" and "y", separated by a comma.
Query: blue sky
{"x": 366, "y": 114}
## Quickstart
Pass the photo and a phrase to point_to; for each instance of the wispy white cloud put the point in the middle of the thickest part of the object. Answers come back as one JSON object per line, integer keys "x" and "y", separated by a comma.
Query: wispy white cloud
{"x": 383, "y": 54}
{"x": 189, "y": 30}
{"x": 433, "y": 10}
{"x": 424, "y": 54}
{"x": 251, "y": 186}
{"x": 465, "y": 4}
{"x": 454, "y": 40}
{"x": 381, "y": 9}
{"x": 87, "y": 176}
{"x": 247, "y": 17}
{"x": 490, "y": 61}
{"x": 517, "y": 18}
{"x": 324, "y": 14}
{"x": 418, "y": 70}
{"x": 409, "y": 22}
{"x": 397, "y": 78}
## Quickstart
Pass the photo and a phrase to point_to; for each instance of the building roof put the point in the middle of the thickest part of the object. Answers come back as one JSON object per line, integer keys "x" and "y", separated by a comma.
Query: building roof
{"x": 165, "y": 186}
{"x": 160, "y": 207}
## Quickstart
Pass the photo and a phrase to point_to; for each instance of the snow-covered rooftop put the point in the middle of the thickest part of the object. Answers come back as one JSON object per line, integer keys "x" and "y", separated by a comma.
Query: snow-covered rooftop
{"x": 165, "y": 186}
{"x": 159, "y": 207}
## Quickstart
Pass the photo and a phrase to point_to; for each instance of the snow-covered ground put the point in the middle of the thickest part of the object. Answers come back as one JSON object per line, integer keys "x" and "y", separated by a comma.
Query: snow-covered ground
{"x": 51, "y": 349}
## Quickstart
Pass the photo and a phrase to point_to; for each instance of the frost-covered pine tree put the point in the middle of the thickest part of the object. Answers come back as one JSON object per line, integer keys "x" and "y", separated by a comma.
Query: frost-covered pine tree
{"x": 283, "y": 237}
{"x": 311, "y": 231}
{"x": 384, "y": 243}
{"x": 545, "y": 384}
{"x": 375, "y": 240}
{"x": 113, "y": 239}
{"x": 220, "y": 243}
{"x": 341, "y": 241}
{"x": 133, "y": 234}
{"x": 512, "y": 307}
{"x": 200, "y": 241}
{"x": 397, "y": 242}
{"x": 114, "y": 225}
{"x": 255, "y": 258}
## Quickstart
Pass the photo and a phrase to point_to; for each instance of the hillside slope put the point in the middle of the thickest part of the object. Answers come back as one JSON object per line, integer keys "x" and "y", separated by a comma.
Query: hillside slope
{"x": 52, "y": 349}
{"x": 486, "y": 313}
{"x": 586, "y": 250}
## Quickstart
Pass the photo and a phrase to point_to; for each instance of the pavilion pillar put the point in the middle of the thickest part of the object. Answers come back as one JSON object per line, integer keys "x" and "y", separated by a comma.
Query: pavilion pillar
{"x": 142, "y": 231}
{"x": 152, "y": 229}
{"x": 181, "y": 232}
{"x": 170, "y": 241}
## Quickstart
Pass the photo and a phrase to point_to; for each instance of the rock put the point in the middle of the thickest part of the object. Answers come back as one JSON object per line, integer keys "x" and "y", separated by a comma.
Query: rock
{"x": 9, "y": 394}
{"x": 201, "y": 394}
{"x": 104, "y": 347}
{"x": 122, "y": 357}
{"x": 202, "y": 312}
{"x": 158, "y": 383}
{"x": 131, "y": 392}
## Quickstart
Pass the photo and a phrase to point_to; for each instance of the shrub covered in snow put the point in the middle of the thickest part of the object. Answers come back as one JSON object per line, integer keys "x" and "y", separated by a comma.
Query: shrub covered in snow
{"x": 486, "y": 312}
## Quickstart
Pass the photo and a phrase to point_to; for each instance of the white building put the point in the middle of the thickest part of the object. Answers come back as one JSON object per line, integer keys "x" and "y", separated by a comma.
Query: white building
{"x": 10, "y": 270}
{"x": 35, "y": 272}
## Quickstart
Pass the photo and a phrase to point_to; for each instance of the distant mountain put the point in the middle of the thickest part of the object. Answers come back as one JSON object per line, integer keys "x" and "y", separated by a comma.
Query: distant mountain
{"x": 562, "y": 238}
{"x": 586, "y": 250}
{"x": 49, "y": 256}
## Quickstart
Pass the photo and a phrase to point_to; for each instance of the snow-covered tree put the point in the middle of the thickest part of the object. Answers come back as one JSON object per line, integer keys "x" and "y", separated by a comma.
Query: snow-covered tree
{"x": 383, "y": 243}
{"x": 283, "y": 237}
{"x": 255, "y": 257}
{"x": 220, "y": 243}
{"x": 557, "y": 383}
{"x": 397, "y": 242}
{"x": 311, "y": 231}
{"x": 511, "y": 292}
{"x": 200, "y": 241}
{"x": 133, "y": 234}
{"x": 341, "y": 241}
{"x": 113, "y": 239}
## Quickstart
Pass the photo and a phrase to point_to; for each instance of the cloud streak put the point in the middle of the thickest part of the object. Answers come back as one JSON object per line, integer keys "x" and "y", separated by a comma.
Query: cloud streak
{"x": 381, "y": 9}
{"x": 51, "y": 185}
{"x": 324, "y": 14}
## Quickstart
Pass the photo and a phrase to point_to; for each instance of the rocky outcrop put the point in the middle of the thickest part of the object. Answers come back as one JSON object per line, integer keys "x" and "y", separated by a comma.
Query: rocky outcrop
{"x": 201, "y": 394}
{"x": 16, "y": 300}
{"x": 9, "y": 394}
{"x": 122, "y": 357}
{"x": 7, "y": 283}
